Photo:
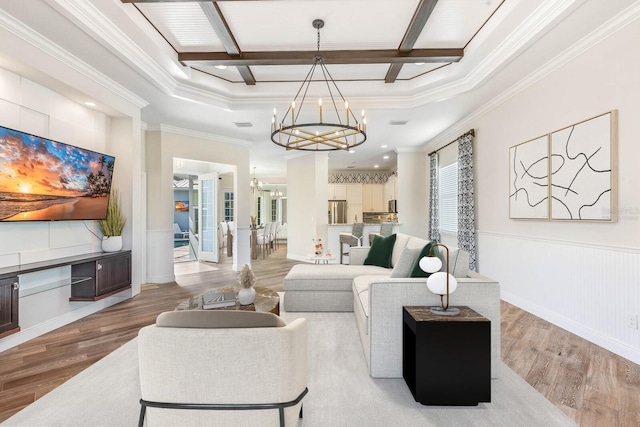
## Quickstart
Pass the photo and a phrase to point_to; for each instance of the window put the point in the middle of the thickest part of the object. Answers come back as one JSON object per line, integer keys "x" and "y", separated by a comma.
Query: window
{"x": 228, "y": 206}
{"x": 274, "y": 213}
{"x": 448, "y": 189}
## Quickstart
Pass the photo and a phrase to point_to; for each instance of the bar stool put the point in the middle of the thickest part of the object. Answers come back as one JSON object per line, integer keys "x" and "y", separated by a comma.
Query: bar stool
{"x": 386, "y": 228}
{"x": 353, "y": 239}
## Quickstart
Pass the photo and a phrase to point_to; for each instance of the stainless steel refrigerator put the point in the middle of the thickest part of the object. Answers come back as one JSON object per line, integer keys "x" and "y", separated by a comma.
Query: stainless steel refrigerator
{"x": 337, "y": 211}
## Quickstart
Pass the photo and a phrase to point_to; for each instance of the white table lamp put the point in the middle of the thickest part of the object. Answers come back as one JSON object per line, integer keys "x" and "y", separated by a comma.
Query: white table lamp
{"x": 440, "y": 282}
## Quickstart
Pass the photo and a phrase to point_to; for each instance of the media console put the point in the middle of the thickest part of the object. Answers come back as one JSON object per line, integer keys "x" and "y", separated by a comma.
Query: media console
{"x": 93, "y": 277}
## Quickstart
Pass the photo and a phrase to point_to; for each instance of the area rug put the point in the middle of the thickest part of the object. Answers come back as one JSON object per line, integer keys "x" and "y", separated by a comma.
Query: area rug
{"x": 341, "y": 392}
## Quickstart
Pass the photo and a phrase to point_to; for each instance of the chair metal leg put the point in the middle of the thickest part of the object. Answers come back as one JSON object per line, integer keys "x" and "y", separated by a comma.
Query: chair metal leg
{"x": 143, "y": 410}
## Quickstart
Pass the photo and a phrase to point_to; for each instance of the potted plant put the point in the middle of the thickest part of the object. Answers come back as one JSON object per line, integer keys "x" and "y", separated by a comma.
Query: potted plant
{"x": 113, "y": 224}
{"x": 247, "y": 295}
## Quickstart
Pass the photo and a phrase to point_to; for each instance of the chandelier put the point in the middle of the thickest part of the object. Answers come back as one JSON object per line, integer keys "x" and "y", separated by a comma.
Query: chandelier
{"x": 254, "y": 183}
{"x": 275, "y": 194}
{"x": 299, "y": 130}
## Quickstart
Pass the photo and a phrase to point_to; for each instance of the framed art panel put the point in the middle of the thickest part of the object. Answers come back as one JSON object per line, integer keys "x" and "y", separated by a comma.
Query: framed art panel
{"x": 583, "y": 170}
{"x": 529, "y": 179}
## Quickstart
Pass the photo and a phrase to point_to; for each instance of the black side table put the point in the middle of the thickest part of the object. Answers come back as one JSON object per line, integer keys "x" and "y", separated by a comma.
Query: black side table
{"x": 446, "y": 360}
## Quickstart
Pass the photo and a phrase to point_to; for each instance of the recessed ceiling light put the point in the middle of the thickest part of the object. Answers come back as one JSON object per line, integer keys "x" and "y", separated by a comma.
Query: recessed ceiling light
{"x": 376, "y": 166}
{"x": 221, "y": 67}
{"x": 383, "y": 146}
{"x": 243, "y": 124}
{"x": 385, "y": 157}
{"x": 398, "y": 122}
{"x": 90, "y": 104}
{"x": 419, "y": 63}
{"x": 352, "y": 151}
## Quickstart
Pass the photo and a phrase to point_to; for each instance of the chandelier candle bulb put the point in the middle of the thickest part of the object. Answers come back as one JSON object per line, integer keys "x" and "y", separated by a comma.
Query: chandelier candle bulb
{"x": 346, "y": 109}
{"x": 293, "y": 112}
{"x": 320, "y": 108}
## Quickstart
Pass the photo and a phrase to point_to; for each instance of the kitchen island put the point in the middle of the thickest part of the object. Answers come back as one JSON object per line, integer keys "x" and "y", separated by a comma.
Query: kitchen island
{"x": 333, "y": 239}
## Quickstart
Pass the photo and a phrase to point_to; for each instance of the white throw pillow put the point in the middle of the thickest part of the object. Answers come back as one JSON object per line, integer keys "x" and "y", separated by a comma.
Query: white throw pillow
{"x": 403, "y": 267}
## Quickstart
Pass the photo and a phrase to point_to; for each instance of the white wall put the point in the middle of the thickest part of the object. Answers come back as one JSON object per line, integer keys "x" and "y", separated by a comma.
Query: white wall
{"x": 32, "y": 108}
{"x": 161, "y": 147}
{"x": 412, "y": 203}
{"x": 307, "y": 178}
{"x": 584, "y": 277}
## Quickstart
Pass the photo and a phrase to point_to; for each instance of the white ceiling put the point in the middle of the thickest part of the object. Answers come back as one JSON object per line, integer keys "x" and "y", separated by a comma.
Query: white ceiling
{"x": 134, "y": 48}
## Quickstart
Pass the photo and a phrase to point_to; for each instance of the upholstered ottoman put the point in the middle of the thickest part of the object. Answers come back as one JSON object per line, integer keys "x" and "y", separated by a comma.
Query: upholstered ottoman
{"x": 311, "y": 287}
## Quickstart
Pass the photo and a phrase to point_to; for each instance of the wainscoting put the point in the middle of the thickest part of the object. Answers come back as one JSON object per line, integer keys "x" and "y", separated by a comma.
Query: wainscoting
{"x": 587, "y": 289}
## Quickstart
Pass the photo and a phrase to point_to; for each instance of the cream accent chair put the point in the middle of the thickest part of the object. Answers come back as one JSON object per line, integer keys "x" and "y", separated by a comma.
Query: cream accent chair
{"x": 223, "y": 368}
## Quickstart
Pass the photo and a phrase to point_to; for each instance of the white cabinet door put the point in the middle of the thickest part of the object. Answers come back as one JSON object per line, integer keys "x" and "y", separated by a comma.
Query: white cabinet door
{"x": 354, "y": 194}
{"x": 377, "y": 198}
{"x": 341, "y": 192}
{"x": 373, "y": 198}
{"x": 337, "y": 191}
{"x": 390, "y": 188}
{"x": 354, "y": 212}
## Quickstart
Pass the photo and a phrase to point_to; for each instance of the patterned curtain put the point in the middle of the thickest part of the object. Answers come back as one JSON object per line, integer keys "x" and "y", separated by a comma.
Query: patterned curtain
{"x": 434, "y": 211}
{"x": 466, "y": 199}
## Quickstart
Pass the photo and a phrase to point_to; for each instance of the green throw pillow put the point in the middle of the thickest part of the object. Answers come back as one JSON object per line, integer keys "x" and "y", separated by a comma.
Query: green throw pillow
{"x": 416, "y": 271}
{"x": 380, "y": 252}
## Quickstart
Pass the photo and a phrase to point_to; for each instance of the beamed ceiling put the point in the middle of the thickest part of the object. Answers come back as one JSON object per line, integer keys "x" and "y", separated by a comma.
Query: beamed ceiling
{"x": 218, "y": 68}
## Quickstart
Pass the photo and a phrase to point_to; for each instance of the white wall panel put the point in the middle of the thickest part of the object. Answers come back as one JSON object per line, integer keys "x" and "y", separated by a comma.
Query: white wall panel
{"x": 9, "y": 114}
{"x": 9, "y": 86}
{"x": 33, "y": 122}
{"x": 588, "y": 289}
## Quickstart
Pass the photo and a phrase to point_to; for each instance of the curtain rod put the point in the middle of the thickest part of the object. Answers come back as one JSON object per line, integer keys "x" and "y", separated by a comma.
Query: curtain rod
{"x": 470, "y": 132}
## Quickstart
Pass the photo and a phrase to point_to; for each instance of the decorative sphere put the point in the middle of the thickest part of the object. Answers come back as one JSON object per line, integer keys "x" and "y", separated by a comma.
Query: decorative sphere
{"x": 437, "y": 283}
{"x": 430, "y": 264}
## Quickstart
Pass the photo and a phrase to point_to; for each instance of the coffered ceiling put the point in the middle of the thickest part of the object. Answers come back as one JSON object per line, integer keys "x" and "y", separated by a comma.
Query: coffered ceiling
{"x": 218, "y": 68}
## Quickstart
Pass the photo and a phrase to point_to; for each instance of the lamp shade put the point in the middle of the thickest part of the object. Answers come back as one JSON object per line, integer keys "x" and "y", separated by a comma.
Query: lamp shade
{"x": 430, "y": 264}
{"x": 437, "y": 283}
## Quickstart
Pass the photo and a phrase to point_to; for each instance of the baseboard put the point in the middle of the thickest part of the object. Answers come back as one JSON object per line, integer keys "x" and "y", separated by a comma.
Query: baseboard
{"x": 576, "y": 328}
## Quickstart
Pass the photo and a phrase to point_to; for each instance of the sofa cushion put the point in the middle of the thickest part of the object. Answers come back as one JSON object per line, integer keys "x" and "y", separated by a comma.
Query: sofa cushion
{"x": 416, "y": 271}
{"x": 209, "y": 319}
{"x": 403, "y": 266}
{"x": 398, "y": 247}
{"x": 380, "y": 252}
{"x": 332, "y": 277}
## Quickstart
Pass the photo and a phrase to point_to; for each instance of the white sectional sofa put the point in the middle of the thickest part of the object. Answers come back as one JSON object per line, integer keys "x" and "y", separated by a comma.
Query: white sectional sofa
{"x": 377, "y": 299}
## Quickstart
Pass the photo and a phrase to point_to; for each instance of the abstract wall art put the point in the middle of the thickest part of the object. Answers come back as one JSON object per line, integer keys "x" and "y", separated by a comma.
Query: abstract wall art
{"x": 529, "y": 179}
{"x": 583, "y": 170}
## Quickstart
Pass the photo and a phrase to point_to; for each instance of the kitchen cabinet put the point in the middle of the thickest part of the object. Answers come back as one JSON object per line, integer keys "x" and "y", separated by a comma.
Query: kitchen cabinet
{"x": 391, "y": 188}
{"x": 9, "y": 306}
{"x": 373, "y": 198}
{"x": 354, "y": 194}
{"x": 354, "y": 211}
{"x": 337, "y": 191}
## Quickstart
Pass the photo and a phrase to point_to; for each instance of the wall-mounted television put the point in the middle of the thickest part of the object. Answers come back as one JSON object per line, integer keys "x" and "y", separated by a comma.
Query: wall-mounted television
{"x": 45, "y": 180}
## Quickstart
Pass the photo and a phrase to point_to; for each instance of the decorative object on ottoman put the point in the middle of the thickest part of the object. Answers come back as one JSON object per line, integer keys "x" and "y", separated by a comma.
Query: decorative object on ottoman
{"x": 440, "y": 282}
{"x": 247, "y": 295}
{"x": 318, "y": 246}
{"x": 112, "y": 226}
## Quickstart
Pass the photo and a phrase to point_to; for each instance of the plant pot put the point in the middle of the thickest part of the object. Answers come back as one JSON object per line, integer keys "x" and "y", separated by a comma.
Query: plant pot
{"x": 111, "y": 243}
{"x": 246, "y": 296}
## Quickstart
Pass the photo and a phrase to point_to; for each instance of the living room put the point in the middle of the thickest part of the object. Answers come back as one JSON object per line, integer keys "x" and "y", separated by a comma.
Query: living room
{"x": 581, "y": 276}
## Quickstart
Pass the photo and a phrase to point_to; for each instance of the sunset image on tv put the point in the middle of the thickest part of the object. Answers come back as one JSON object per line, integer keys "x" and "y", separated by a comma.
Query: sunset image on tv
{"x": 42, "y": 179}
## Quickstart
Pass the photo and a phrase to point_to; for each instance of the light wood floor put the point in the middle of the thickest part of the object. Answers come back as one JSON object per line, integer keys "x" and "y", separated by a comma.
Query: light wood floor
{"x": 591, "y": 385}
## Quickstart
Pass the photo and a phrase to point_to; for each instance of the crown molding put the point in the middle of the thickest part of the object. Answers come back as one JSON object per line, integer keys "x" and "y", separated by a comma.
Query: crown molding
{"x": 198, "y": 134}
{"x": 17, "y": 28}
{"x": 599, "y": 34}
{"x": 94, "y": 20}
